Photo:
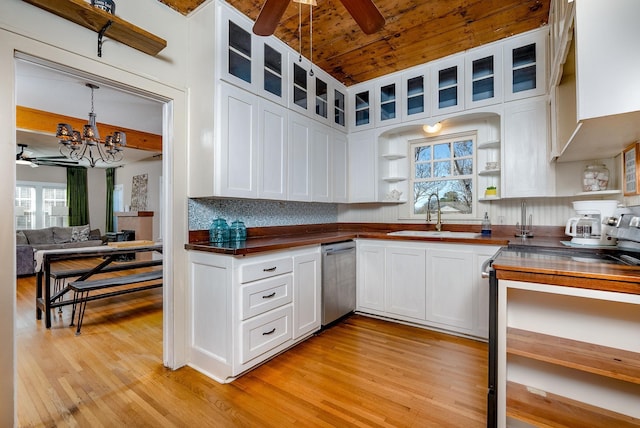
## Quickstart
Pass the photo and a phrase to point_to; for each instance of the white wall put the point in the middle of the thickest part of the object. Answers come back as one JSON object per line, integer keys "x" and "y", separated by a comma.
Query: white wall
{"x": 153, "y": 169}
{"x": 28, "y": 29}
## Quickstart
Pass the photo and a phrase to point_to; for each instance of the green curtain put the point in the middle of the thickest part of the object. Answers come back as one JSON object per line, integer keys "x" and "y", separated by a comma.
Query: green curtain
{"x": 111, "y": 179}
{"x": 77, "y": 196}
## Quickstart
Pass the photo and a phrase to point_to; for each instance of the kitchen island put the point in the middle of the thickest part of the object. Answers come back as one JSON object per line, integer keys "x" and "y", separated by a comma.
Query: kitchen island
{"x": 568, "y": 338}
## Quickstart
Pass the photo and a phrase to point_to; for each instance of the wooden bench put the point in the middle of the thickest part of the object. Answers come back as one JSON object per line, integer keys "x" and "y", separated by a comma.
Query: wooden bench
{"x": 83, "y": 288}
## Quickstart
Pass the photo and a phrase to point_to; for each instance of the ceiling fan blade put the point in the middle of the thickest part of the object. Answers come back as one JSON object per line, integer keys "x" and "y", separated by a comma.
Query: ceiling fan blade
{"x": 269, "y": 17}
{"x": 366, "y": 14}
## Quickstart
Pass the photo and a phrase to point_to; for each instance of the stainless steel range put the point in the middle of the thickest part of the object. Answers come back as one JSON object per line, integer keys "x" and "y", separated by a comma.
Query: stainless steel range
{"x": 625, "y": 226}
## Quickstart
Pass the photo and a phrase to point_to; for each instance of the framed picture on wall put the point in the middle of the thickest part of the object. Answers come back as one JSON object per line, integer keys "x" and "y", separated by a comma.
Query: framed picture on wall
{"x": 630, "y": 157}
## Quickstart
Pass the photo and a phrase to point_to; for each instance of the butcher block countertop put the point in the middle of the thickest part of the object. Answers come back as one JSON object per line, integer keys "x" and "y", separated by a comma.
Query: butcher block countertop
{"x": 530, "y": 259}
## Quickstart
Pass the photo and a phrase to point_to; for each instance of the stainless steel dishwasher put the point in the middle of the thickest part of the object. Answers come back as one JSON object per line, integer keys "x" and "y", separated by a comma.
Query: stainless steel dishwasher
{"x": 338, "y": 280}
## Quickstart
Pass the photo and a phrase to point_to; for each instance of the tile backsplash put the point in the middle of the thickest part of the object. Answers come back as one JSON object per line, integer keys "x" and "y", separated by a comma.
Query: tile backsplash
{"x": 259, "y": 213}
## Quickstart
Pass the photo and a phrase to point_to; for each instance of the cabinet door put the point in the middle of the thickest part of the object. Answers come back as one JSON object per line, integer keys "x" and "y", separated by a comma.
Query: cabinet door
{"x": 525, "y": 65}
{"x": 447, "y": 82}
{"x": 527, "y": 171}
{"x": 339, "y": 167}
{"x": 301, "y": 86}
{"x": 273, "y": 76}
{"x": 405, "y": 282}
{"x": 299, "y": 157}
{"x": 388, "y": 99}
{"x": 238, "y": 155}
{"x": 306, "y": 294}
{"x": 320, "y": 163}
{"x": 361, "y": 107}
{"x": 370, "y": 277}
{"x": 272, "y": 182}
{"x": 450, "y": 287}
{"x": 237, "y": 56}
{"x": 415, "y": 94}
{"x": 362, "y": 166}
{"x": 483, "y": 70}
{"x": 339, "y": 120}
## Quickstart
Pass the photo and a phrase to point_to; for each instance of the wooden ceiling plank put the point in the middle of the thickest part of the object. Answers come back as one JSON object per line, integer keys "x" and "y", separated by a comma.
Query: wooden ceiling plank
{"x": 46, "y": 122}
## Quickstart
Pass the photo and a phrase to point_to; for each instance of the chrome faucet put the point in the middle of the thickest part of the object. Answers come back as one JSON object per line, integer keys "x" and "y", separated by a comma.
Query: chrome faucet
{"x": 439, "y": 219}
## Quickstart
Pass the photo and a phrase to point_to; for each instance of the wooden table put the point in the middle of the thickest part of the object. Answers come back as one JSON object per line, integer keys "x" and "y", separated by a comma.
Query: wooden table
{"x": 45, "y": 300}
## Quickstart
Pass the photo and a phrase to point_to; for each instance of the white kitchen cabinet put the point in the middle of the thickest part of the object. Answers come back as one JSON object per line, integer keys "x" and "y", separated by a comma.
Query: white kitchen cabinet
{"x": 447, "y": 85}
{"x": 362, "y": 166}
{"x": 525, "y": 165}
{"x": 450, "y": 283}
{"x": 273, "y": 77}
{"x": 340, "y": 107}
{"x": 236, "y": 159}
{"x": 525, "y": 65}
{"x": 272, "y": 159}
{"x": 370, "y": 276}
{"x": 244, "y": 310}
{"x": 570, "y": 355}
{"x": 415, "y": 100}
{"x": 300, "y": 137}
{"x": 361, "y": 103}
{"x": 483, "y": 76}
{"x": 340, "y": 167}
{"x": 388, "y": 100}
{"x": 307, "y": 293}
{"x": 320, "y": 162}
{"x": 405, "y": 278}
{"x": 435, "y": 285}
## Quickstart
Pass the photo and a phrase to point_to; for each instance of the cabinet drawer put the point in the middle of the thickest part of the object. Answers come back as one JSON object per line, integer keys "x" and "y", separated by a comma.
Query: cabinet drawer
{"x": 260, "y": 297}
{"x": 266, "y": 269}
{"x": 265, "y": 332}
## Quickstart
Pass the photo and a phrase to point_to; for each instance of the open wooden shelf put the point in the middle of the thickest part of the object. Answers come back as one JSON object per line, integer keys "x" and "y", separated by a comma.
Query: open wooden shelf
{"x": 587, "y": 357}
{"x": 544, "y": 409}
{"x": 82, "y": 13}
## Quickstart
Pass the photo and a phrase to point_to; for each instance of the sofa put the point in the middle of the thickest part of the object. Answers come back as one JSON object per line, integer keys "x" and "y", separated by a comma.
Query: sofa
{"x": 28, "y": 241}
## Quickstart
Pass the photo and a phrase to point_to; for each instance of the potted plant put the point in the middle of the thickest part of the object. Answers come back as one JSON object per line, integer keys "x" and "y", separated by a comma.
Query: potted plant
{"x": 490, "y": 192}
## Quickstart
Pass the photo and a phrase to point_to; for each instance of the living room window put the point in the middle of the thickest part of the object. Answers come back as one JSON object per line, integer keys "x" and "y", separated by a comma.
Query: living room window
{"x": 40, "y": 205}
{"x": 444, "y": 166}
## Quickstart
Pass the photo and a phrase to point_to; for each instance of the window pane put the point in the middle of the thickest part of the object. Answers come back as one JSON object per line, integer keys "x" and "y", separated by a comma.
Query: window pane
{"x": 447, "y": 77}
{"x": 362, "y": 100}
{"x": 239, "y": 39}
{"x": 239, "y": 66}
{"x": 423, "y": 170}
{"x": 388, "y": 93}
{"x": 272, "y": 83}
{"x": 524, "y": 55}
{"x": 442, "y": 151}
{"x": 299, "y": 76}
{"x": 423, "y": 153}
{"x": 441, "y": 169}
{"x": 462, "y": 148}
{"x": 272, "y": 59}
{"x": 415, "y": 86}
{"x": 463, "y": 167}
{"x": 421, "y": 195}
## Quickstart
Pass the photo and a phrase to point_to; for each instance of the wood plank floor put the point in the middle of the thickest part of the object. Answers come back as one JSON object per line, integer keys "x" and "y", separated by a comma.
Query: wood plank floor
{"x": 363, "y": 372}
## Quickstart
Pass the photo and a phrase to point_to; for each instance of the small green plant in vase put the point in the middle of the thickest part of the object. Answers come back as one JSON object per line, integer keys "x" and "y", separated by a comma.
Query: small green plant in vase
{"x": 490, "y": 192}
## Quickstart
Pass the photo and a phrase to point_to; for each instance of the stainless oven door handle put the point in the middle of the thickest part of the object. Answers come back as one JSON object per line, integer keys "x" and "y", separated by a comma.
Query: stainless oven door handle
{"x": 486, "y": 265}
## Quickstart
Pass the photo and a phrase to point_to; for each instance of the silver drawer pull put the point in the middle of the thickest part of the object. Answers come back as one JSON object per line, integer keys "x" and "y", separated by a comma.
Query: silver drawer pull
{"x": 273, "y": 269}
{"x": 266, "y": 333}
{"x": 268, "y": 296}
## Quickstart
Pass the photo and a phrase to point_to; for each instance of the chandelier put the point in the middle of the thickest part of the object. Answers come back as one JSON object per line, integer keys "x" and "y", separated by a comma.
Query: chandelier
{"x": 87, "y": 145}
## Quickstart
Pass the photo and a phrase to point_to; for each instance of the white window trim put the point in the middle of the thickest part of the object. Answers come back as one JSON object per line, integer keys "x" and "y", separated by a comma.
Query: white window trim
{"x": 470, "y": 135}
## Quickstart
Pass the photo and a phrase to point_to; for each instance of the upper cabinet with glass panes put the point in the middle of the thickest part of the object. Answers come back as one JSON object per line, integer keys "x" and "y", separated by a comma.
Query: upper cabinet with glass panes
{"x": 525, "y": 65}
{"x": 483, "y": 76}
{"x": 447, "y": 85}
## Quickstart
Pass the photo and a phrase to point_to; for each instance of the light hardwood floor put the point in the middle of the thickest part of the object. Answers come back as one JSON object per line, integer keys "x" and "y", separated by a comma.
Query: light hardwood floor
{"x": 363, "y": 372}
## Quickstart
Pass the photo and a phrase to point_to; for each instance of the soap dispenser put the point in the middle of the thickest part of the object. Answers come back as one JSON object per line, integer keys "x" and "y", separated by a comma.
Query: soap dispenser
{"x": 486, "y": 225}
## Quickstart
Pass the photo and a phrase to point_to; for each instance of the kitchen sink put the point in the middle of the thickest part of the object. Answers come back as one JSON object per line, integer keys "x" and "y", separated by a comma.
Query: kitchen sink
{"x": 435, "y": 234}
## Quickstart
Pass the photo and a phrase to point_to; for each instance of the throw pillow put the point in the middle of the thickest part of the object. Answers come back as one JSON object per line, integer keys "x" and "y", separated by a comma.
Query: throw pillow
{"x": 62, "y": 235}
{"x": 80, "y": 233}
{"x": 21, "y": 238}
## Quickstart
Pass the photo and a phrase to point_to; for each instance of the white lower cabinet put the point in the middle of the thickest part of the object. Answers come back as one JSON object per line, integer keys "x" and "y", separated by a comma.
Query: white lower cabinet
{"x": 437, "y": 285}
{"x": 404, "y": 281}
{"x": 245, "y": 310}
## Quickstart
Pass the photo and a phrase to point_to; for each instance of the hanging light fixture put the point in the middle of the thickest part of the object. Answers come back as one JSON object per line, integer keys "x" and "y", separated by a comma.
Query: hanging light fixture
{"x": 77, "y": 146}
{"x": 311, "y": 4}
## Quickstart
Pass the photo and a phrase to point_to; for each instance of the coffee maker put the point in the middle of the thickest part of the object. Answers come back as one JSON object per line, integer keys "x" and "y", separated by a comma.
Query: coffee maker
{"x": 587, "y": 228}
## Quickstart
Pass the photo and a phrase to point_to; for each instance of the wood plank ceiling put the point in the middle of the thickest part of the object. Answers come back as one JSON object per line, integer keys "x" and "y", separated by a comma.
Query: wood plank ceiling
{"x": 416, "y": 31}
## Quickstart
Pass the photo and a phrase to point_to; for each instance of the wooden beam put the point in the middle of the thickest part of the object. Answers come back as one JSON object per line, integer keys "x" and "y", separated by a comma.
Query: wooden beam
{"x": 42, "y": 121}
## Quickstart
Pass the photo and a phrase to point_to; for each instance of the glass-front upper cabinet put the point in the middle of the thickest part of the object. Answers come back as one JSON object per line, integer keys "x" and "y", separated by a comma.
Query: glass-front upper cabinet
{"x": 274, "y": 74}
{"x": 339, "y": 109}
{"x": 388, "y": 101}
{"x": 237, "y": 51}
{"x": 525, "y": 65}
{"x": 483, "y": 76}
{"x": 322, "y": 98}
{"x": 361, "y": 106}
{"x": 447, "y": 79}
{"x": 300, "y": 87}
{"x": 415, "y": 97}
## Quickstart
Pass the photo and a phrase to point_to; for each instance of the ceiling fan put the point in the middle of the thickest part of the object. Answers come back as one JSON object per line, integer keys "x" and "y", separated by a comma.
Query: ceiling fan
{"x": 364, "y": 12}
{"x": 24, "y": 157}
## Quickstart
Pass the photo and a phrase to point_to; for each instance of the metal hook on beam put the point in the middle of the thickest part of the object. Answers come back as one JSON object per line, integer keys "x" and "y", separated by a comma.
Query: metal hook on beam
{"x": 101, "y": 34}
